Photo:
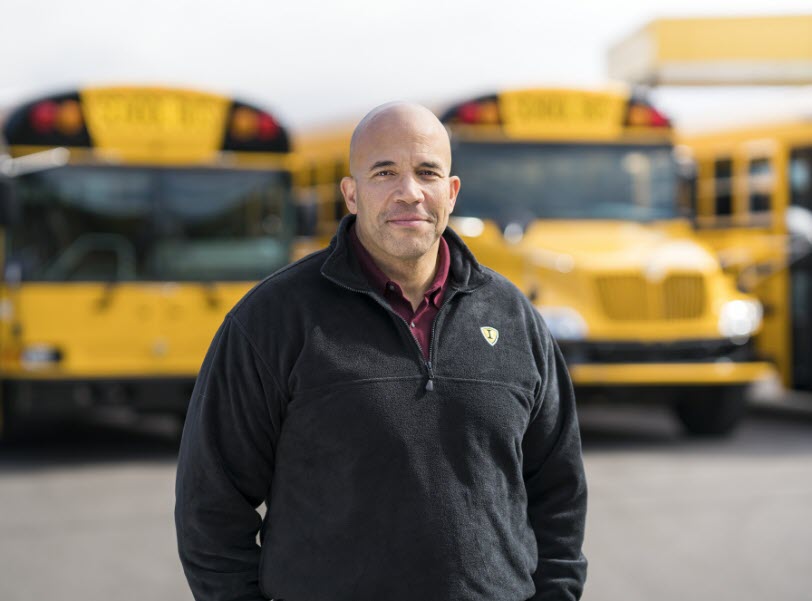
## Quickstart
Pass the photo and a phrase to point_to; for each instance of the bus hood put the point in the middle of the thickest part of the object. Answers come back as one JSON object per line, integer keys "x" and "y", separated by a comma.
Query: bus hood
{"x": 609, "y": 280}
{"x": 654, "y": 249}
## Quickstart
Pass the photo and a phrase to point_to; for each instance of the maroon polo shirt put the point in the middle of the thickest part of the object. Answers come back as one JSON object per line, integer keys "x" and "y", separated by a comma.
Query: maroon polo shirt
{"x": 421, "y": 320}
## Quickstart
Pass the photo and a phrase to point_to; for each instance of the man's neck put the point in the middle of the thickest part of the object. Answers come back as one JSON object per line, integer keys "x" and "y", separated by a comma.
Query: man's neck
{"x": 413, "y": 277}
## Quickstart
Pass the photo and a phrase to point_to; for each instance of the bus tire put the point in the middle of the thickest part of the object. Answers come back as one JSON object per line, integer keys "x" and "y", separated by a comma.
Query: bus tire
{"x": 6, "y": 420}
{"x": 715, "y": 411}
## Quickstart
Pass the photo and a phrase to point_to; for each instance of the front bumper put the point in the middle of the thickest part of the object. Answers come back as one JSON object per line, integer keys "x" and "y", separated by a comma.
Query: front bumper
{"x": 719, "y": 373}
{"x": 682, "y": 363}
{"x": 57, "y": 397}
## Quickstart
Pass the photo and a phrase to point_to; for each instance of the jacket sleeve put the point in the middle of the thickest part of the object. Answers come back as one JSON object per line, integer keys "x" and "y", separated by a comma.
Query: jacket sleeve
{"x": 555, "y": 481}
{"x": 225, "y": 466}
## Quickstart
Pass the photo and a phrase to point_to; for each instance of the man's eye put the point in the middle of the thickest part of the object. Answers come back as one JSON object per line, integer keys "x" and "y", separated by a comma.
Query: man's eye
{"x": 384, "y": 172}
{"x": 428, "y": 173}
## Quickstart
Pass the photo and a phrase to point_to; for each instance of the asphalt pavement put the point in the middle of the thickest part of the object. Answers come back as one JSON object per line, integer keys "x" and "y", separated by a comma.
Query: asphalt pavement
{"x": 87, "y": 510}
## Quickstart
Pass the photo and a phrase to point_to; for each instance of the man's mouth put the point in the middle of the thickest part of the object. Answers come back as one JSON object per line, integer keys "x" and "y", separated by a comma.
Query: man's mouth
{"x": 408, "y": 219}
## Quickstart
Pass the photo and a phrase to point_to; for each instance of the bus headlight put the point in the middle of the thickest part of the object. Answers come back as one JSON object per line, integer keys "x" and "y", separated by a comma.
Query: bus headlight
{"x": 39, "y": 356}
{"x": 564, "y": 323}
{"x": 739, "y": 319}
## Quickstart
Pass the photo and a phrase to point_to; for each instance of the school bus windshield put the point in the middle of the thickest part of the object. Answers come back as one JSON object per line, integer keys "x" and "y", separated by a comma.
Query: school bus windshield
{"x": 102, "y": 223}
{"x": 521, "y": 182}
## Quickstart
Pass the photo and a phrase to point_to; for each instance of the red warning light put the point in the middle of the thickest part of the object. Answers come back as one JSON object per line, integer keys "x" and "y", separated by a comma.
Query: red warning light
{"x": 468, "y": 112}
{"x": 657, "y": 119}
{"x": 267, "y": 127}
{"x": 43, "y": 116}
{"x": 643, "y": 115}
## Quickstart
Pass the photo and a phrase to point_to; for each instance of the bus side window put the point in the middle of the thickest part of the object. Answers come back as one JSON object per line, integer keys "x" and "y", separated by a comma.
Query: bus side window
{"x": 800, "y": 178}
{"x": 307, "y": 202}
{"x": 723, "y": 186}
{"x": 759, "y": 185}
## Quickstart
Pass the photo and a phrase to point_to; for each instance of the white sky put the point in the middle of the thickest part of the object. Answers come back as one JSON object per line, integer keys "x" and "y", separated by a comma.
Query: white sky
{"x": 312, "y": 61}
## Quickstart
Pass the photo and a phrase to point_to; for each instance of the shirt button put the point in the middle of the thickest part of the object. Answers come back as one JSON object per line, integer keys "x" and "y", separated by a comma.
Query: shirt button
{"x": 390, "y": 286}
{"x": 412, "y": 324}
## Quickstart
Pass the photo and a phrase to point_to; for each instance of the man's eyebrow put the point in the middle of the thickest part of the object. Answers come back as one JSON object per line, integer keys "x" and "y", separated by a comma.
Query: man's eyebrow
{"x": 379, "y": 164}
{"x": 431, "y": 165}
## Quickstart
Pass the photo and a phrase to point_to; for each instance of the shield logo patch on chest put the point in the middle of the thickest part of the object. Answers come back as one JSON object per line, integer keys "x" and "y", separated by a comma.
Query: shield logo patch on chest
{"x": 490, "y": 334}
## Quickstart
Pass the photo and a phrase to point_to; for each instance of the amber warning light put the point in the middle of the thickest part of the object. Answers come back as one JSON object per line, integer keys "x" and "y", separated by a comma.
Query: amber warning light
{"x": 64, "y": 117}
{"x": 247, "y": 124}
{"x": 249, "y": 128}
{"x": 481, "y": 111}
{"x": 642, "y": 114}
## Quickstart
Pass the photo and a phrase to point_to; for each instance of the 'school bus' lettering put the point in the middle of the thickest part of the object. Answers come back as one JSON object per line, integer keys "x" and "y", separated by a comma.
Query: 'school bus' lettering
{"x": 529, "y": 114}
{"x": 142, "y": 122}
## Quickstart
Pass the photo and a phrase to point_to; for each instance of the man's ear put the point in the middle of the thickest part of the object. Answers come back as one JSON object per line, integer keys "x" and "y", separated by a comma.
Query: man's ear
{"x": 349, "y": 190}
{"x": 453, "y": 190}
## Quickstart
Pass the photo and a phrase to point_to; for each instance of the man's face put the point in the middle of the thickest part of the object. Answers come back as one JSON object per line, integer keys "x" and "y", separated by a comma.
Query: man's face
{"x": 401, "y": 190}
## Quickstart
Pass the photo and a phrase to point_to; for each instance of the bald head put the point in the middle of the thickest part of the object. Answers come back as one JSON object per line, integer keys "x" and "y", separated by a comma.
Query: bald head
{"x": 397, "y": 119}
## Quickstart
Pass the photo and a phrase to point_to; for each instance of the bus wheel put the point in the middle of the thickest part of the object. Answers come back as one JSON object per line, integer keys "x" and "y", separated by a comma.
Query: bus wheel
{"x": 6, "y": 420}
{"x": 712, "y": 411}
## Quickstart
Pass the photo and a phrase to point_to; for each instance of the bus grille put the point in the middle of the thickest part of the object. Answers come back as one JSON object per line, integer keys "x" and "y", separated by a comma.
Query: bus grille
{"x": 633, "y": 298}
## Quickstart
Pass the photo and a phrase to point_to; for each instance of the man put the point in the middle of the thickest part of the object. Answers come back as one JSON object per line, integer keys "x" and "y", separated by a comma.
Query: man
{"x": 402, "y": 411}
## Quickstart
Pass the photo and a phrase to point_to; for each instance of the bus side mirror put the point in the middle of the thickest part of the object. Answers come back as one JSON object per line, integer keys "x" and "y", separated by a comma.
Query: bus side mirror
{"x": 799, "y": 226}
{"x": 9, "y": 206}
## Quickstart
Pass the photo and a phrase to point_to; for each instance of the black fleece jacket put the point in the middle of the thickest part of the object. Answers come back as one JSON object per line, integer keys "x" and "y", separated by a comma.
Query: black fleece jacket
{"x": 386, "y": 477}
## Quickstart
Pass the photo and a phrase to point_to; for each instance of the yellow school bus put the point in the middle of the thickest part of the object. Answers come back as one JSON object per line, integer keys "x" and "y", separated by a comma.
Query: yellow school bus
{"x": 143, "y": 215}
{"x": 576, "y": 196}
{"x": 753, "y": 201}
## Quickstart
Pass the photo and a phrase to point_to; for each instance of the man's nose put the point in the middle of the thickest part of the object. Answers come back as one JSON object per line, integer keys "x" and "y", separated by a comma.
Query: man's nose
{"x": 410, "y": 190}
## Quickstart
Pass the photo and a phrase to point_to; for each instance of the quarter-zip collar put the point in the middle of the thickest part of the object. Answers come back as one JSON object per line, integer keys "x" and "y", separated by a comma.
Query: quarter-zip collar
{"x": 342, "y": 267}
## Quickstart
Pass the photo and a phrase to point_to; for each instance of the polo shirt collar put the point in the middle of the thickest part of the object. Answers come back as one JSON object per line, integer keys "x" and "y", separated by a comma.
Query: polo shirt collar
{"x": 342, "y": 266}
{"x": 380, "y": 282}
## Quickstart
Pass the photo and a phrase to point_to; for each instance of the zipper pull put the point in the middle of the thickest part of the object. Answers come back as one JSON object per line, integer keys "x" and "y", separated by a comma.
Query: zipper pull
{"x": 430, "y": 383}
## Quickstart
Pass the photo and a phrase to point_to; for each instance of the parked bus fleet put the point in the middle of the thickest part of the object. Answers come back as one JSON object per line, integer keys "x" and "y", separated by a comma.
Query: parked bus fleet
{"x": 134, "y": 217}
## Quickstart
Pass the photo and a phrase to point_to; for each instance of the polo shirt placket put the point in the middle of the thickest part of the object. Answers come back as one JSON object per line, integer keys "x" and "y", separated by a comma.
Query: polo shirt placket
{"x": 421, "y": 319}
